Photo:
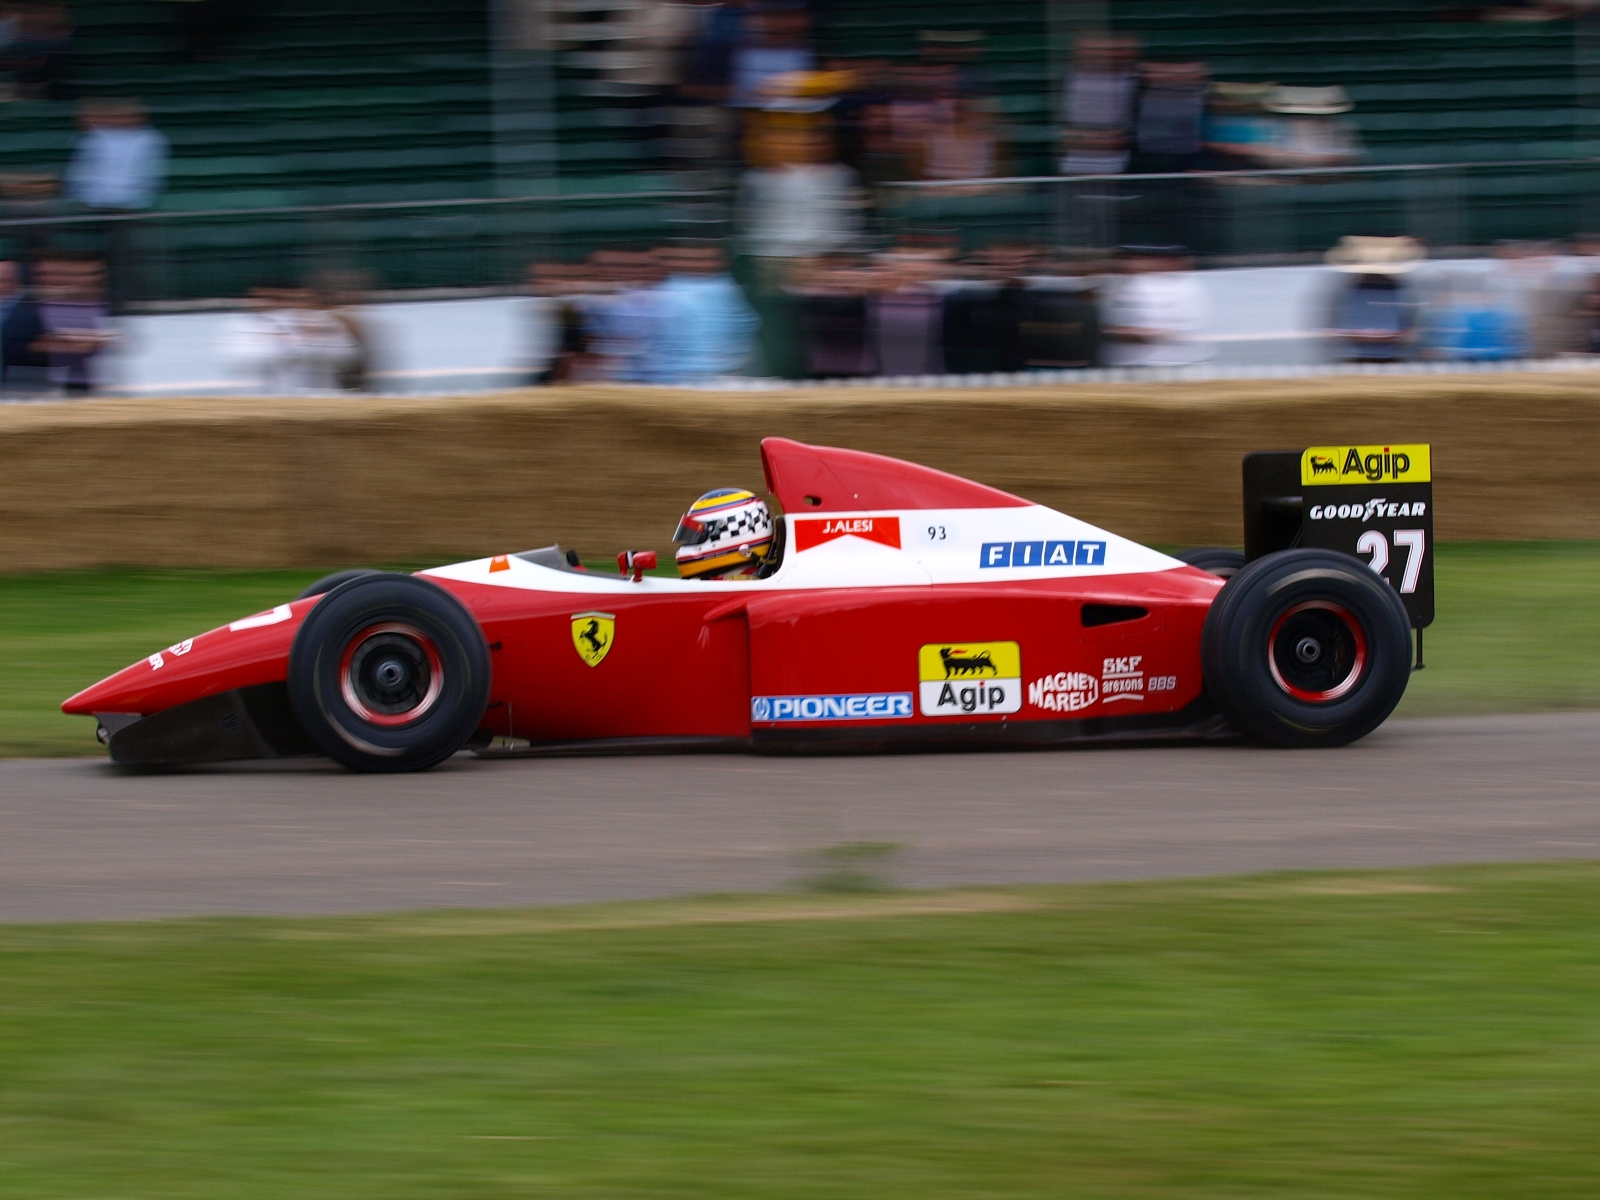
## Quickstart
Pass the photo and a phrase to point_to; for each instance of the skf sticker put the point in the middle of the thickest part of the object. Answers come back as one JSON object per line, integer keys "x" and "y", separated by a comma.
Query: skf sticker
{"x": 1366, "y": 464}
{"x": 963, "y": 678}
{"x": 814, "y": 531}
{"x": 592, "y": 635}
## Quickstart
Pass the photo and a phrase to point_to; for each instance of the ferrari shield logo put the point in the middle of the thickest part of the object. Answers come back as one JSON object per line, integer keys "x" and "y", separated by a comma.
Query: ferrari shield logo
{"x": 592, "y": 635}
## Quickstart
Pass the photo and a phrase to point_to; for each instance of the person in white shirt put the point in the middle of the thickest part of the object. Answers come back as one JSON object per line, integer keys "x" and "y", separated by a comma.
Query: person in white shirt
{"x": 288, "y": 345}
{"x": 118, "y": 167}
{"x": 1155, "y": 310}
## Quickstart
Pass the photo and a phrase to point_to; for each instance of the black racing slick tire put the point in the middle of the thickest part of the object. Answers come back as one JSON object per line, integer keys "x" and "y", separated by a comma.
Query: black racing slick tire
{"x": 389, "y": 673}
{"x": 328, "y": 582}
{"x": 1306, "y": 648}
{"x": 1218, "y": 560}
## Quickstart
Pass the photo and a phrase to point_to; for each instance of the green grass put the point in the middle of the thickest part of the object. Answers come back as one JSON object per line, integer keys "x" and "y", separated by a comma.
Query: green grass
{"x": 1518, "y": 630}
{"x": 1396, "y": 1034}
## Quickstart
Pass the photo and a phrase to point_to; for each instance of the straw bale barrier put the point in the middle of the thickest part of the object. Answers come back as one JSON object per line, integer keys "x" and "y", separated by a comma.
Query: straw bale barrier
{"x": 334, "y": 482}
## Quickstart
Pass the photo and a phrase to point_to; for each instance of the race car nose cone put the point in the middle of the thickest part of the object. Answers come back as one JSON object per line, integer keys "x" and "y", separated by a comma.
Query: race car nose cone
{"x": 1308, "y": 650}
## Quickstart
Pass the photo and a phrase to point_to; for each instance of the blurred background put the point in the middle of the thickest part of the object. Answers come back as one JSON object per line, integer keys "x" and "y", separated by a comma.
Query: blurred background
{"x": 284, "y": 196}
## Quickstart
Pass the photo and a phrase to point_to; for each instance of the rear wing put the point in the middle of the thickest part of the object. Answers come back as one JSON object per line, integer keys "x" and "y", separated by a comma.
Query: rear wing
{"x": 1375, "y": 502}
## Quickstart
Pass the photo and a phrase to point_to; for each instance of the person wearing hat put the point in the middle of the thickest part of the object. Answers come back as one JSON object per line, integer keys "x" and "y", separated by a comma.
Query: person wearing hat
{"x": 1310, "y": 129}
{"x": 1374, "y": 315}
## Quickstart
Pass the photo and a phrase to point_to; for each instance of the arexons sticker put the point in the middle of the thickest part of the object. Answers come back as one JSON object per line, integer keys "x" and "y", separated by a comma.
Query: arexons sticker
{"x": 854, "y": 706}
{"x": 957, "y": 679}
{"x": 1366, "y": 464}
{"x": 814, "y": 531}
{"x": 1042, "y": 554}
{"x": 1122, "y": 678}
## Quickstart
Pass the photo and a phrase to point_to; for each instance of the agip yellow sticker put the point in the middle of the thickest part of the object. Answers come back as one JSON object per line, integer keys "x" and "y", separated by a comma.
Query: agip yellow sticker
{"x": 966, "y": 679}
{"x": 1366, "y": 464}
{"x": 969, "y": 660}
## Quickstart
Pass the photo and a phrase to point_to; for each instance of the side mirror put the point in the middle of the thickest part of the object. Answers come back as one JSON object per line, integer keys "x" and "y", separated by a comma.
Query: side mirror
{"x": 636, "y": 563}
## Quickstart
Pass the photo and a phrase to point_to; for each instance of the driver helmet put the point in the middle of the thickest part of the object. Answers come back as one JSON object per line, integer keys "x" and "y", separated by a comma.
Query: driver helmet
{"x": 727, "y": 532}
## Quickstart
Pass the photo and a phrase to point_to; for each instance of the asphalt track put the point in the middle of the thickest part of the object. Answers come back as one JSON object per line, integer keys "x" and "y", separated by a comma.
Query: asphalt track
{"x": 80, "y": 839}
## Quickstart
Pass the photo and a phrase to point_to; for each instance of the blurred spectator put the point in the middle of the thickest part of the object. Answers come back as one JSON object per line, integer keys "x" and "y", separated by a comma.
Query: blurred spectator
{"x": 1374, "y": 314}
{"x": 1060, "y": 326}
{"x": 1586, "y": 318}
{"x": 1155, "y": 310}
{"x": 1171, "y": 115}
{"x": 34, "y": 39}
{"x": 908, "y": 314}
{"x": 118, "y": 167}
{"x": 73, "y": 314}
{"x": 832, "y": 295}
{"x": 801, "y": 202}
{"x": 703, "y": 328}
{"x": 340, "y": 294}
{"x": 1308, "y": 128}
{"x": 570, "y": 357}
{"x": 773, "y": 43}
{"x": 120, "y": 162}
{"x": 287, "y": 343}
{"x": 24, "y": 196}
{"x": 624, "y": 312}
{"x": 1530, "y": 276}
{"x": 963, "y": 145}
{"x": 1094, "y": 152}
{"x": 1237, "y": 131}
{"x": 1098, "y": 105}
{"x": 20, "y": 326}
{"x": 1474, "y": 321}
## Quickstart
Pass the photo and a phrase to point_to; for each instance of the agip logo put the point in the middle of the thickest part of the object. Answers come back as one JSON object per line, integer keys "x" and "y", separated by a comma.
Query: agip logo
{"x": 1366, "y": 464}
{"x": 958, "y": 679}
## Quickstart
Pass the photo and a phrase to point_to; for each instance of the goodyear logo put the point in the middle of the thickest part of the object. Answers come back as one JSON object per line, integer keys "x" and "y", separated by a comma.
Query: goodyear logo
{"x": 1366, "y": 464}
{"x": 966, "y": 678}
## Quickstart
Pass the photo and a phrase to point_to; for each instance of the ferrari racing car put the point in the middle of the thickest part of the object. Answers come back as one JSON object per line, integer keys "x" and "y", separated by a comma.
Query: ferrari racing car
{"x": 898, "y": 608}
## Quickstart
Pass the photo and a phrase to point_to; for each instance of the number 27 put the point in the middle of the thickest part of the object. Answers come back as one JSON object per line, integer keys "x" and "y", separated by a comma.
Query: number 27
{"x": 1374, "y": 543}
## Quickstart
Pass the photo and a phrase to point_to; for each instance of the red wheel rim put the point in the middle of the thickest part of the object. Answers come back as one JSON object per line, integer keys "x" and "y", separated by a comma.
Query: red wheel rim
{"x": 390, "y": 674}
{"x": 1317, "y": 651}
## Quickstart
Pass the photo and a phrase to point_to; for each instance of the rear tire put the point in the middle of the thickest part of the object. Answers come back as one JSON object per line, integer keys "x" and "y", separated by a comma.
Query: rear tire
{"x": 328, "y": 582}
{"x": 1218, "y": 560}
{"x": 1306, "y": 648}
{"x": 389, "y": 673}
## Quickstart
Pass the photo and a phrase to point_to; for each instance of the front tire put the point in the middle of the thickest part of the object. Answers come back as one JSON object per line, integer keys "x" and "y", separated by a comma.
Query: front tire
{"x": 1306, "y": 648}
{"x": 389, "y": 673}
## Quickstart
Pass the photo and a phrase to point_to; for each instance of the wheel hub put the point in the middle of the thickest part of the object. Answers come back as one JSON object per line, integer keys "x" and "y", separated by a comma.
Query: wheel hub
{"x": 1317, "y": 651}
{"x": 390, "y": 674}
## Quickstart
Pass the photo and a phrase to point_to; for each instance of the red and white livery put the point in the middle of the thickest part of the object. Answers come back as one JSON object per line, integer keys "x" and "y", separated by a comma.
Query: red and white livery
{"x": 909, "y": 609}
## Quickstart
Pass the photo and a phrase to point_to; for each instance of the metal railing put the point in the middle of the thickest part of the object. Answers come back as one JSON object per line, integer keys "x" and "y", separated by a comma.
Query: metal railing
{"x": 1261, "y": 215}
{"x": 183, "y": 257}
{"x": 180, "y": 257}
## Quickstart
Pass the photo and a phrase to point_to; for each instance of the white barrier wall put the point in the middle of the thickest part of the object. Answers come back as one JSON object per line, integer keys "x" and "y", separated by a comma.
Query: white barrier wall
{"x": 1258, "y": 317}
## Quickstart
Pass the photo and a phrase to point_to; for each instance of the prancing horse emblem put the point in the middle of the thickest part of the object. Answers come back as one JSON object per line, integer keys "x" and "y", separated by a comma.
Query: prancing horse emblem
{"x": 592, "y": 635}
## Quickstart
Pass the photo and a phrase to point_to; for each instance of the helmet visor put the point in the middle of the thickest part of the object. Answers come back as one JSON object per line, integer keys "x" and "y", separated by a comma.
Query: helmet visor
{"x": 694, "y": 533}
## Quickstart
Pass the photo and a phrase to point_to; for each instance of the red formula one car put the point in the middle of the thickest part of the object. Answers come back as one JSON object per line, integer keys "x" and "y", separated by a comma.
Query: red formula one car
{"x": 909, "y": 609}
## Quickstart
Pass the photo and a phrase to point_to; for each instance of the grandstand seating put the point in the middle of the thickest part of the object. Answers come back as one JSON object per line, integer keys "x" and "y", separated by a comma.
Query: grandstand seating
{"x": 392, "y": 100}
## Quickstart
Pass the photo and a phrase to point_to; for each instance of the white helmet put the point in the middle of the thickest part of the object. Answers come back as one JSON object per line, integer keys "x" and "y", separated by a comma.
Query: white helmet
{"x": 726, "y": 532}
